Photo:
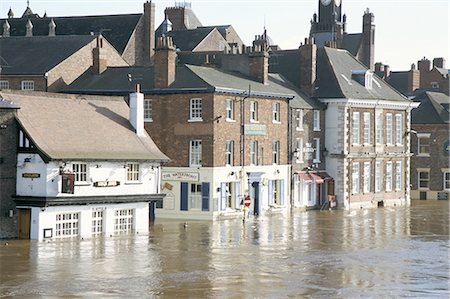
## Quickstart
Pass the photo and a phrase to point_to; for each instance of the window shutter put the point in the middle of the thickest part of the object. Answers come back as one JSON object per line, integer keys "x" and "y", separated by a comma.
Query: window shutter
{"x": 238, "y": 191}
{"x": 223, "y": 194}
{"x": 205, "y": 196}
{"x": 68, "y": 183}
{"x": 282, "y": 192}
{"x": 184, "y": 197}
{"x": 270, "y": 187}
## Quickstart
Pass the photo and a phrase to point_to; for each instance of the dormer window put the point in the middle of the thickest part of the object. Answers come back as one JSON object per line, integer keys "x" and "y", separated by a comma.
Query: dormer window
{"x": 363, "y": 77}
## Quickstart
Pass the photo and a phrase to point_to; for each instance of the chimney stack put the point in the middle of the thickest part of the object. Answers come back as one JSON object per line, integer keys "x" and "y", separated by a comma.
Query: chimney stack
{"x": 308, "y": 59}
{"x": 259, "y": 60}
{"x": 6, "y": 28}
{"x": 51, "y": 28}
{"x": 29, "y": 28}
{"x": 137, "y": 111}
{"x": 99, "y": 63}
{"x": 387, "y": 71}
{"x": 423, "y": 66}
{"x": 165, "y": 62}
{"x": 368, "y": 45}
{"x": 149, "y": 32}
{"x": 439, "y": 62}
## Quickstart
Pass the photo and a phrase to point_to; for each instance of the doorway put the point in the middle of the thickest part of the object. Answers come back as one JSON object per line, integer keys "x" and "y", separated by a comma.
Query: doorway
{"x": 24, "y": 219}
{"x": 255, "y": 187}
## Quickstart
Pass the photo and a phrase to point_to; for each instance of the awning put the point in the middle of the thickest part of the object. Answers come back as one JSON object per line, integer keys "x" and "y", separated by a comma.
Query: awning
{"x": 316, "y": 178}
{"x": 305, "y": 177}
{"x": 325, "y": 176}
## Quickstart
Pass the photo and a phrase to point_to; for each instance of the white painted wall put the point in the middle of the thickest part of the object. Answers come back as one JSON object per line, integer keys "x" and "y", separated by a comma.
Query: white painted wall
{"x": 215, "y": 176}
{"x": 49, "y": 183}
{"x": 44, "y": 218}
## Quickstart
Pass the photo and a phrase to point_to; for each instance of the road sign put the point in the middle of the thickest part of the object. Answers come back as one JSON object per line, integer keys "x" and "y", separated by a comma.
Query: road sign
{"x": 247, "y": 201}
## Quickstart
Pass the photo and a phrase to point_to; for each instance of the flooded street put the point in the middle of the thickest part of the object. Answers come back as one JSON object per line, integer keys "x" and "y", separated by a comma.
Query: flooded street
{"x": 387, "y": 252}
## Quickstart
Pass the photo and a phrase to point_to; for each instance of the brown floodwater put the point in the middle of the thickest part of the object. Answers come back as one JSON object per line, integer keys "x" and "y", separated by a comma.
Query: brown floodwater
{"x": 386, "y": 252}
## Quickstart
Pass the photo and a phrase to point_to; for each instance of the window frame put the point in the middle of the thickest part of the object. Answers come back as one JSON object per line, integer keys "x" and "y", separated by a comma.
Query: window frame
{"x": 379, "y": 128}
{"x": 254, "y": 153}
{"x": 398, "y": 175}
{"x": 4, "y": 84}
{"x": 229, "y": 110}
{"x": 276, "y": 152}
{"x": 148, "y": 110}
{"x": 316, "y": 120}
{"x": 420, "y": 145}
{"x": 367, "y": 128}
{"x": 253, "y": 111}
{"x": 420, "y": 179}
{"x": 276, "y": 113}
{"x": 81, "y": 175}
{"x": 195, "y": 196}
{"x": 388, "y": 175}
{"x": 299, "y": 119}
{"x": 299, "y": 149}
{"x": 27, "y": 85}
{"x": 195, "y": 110}
{"x": 317, "y": 152}
{"x": 356, "y": 188}
{"x": 195, "y": 153}
{"x": 367, "y": 175}
{"x": 356, "y": 128}
{"x": 229, "y": 153}
{"x": 399, "y": 129}
{"x": 133, "y": 173}
{"x": 446, "y": 181}
{"x": 389, "y": 129}
{"x": 378, "y": 176}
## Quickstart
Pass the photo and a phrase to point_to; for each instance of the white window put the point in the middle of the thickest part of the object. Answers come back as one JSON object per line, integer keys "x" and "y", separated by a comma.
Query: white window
{"x": 424, "y": 179}
{"x": 388, "y": 175}
{"x": 4, "y": 84}
{"x": 355, "y": 128}
{"x": 195, "y": 113}
{"x": 378, "y": 176}
{"x": 446, "y": 180}
{"x": 67, "y": 224}
{"x": 355, "y": 178}
{"x": 423, "y": 144}
{"x": 276, "y": 152}
{"x": 367, "y": 128}
{"x": 389, "y": 128}
{"x": 253, "y": 111}
{"x": 231, "y": 195}
{"x": 27, "y": 85}
{"x": 379, "y": 131}
{"x": 229, "y": 109}
{"x": 195, "y": 153}
{"x": 316, "y": 150}
{"x": 367, "y": 176}
{"x": 123, "y": 220}
{"x": 254, "y": 153}
{"x": 398, "y": 129}
{"x": 276, "y": 113}
{"x": 299, "y": 150}
{"x": 97, "y": 221}
{"x": 398, "y": 176}
{"x": 229, "y": 151}
{"x": 316, "y": 120}
{"x": 80, "y": 171}
{"x": 276, "y": 192}
{"x": 195, "y": 196}
{"x": 299, "y": 119}
{"x": 23, "y": 140}
{"x": 148, "y": 110}
{"x": 133, "y": 172}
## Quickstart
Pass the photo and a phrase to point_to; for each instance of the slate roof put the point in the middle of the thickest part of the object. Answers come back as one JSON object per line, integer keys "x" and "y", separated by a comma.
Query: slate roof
{"x": 334, "y": 78}
{"x": 400, "y": 81}
{"x": 69, "y": 127}
{"x": 34, "y": 58}
{"x": 433, "y": 109}
{"x": 188, "y": 79}
{"x": 352, "y": 42}
{"x": 444, "y": 72}
{"x": 187, "y": 40}
{"x": 117, "y": 29}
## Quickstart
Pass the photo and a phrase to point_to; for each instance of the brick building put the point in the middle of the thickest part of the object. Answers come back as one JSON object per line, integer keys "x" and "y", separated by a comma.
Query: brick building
{"x": 8, "y": 154}
{"x": 430, "y": 166}
{"x": 40, "y": 68}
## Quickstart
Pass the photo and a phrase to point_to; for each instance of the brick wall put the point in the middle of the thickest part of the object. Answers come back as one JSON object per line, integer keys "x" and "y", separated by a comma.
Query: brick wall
{"x": 8, "y": 151}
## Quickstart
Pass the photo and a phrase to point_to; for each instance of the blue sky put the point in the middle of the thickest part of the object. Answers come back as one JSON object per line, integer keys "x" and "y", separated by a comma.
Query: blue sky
{"x": 406, "y": 30}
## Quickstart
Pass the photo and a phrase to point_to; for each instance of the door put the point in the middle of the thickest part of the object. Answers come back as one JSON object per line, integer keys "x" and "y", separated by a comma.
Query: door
{"x": 24, "y": 223}
{"x": 255, "y": 186}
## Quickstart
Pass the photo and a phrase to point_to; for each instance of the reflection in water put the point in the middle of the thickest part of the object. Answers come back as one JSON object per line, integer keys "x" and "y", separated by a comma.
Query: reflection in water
{"x": 370, "y": 253}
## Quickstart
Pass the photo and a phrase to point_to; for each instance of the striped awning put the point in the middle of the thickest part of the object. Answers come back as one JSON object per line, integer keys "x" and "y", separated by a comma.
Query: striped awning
{"x": 305, "y": 177}
{"x": 316, "y": 178}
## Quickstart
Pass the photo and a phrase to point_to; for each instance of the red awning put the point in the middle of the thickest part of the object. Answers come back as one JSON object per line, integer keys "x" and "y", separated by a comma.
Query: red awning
{"x": 305, "y": 177}
{"x": 316, "y": 178}
{"x": 325, "y": 176}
